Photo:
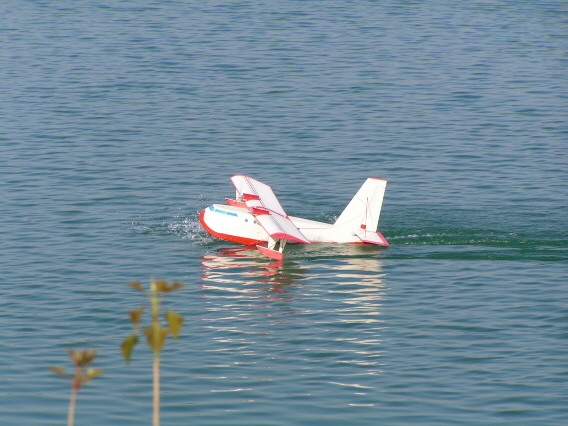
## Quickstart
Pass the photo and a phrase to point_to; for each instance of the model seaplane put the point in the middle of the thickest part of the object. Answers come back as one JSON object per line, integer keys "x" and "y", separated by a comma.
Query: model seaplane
{"x": 255, "y": 217}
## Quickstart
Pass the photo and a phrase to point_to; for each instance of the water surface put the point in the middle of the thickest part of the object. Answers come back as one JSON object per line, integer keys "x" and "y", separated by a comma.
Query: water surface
{"x": 120, "y": 121}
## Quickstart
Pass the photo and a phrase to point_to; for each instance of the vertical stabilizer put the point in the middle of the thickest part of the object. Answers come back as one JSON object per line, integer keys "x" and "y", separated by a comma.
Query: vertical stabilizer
{"x": 365, "y": 208}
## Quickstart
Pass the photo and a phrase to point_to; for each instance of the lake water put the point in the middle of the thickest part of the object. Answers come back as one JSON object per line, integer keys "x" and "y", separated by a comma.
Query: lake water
{"x": 121, "y": 120}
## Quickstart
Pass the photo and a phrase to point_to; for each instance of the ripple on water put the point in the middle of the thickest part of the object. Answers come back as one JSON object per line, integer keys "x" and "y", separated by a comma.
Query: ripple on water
{"x": 122, "y": 120}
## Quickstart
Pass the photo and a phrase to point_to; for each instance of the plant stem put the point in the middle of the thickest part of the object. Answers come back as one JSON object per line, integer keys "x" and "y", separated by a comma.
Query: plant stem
{"x": 155, "y": 300}
{"x": 72, "y": 401}
{"x": 156, "y": 417}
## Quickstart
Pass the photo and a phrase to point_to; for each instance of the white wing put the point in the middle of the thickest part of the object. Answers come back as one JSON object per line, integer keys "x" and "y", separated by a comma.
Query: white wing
{"x": 251, "y": 190}
{"x": 264, "y": 205}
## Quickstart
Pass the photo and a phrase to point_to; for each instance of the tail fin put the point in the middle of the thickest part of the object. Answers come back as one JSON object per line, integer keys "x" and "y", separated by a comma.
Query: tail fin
{"x": 365, "y": 208}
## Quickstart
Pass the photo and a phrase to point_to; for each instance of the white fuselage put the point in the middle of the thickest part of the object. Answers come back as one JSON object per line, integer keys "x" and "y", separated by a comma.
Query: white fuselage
{"x": 239, "y": 225}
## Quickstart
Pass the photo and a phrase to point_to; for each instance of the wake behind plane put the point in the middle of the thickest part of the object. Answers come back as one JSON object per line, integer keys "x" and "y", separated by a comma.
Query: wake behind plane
{"x": 255, "y": 217}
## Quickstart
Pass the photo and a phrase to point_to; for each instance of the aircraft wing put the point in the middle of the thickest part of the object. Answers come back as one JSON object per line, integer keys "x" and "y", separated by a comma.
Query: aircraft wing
{"x": 256, "y": 194}
{"x": 266, "y": 208}
{"x": 277, "y": 226}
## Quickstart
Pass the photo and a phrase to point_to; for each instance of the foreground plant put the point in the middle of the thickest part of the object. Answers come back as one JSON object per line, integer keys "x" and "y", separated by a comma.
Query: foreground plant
{"x": 81, "y": 360}
{"x": 155, "y": 333}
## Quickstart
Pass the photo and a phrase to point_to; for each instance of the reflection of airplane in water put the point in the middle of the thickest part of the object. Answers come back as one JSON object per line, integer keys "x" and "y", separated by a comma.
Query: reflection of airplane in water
{"x": 244, "y": 266}
{"x": 242, "y": 269}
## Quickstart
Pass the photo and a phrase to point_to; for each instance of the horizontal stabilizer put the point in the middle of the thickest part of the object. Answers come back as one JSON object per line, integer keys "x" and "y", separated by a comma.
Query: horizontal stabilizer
{"x": 375, "y": 238}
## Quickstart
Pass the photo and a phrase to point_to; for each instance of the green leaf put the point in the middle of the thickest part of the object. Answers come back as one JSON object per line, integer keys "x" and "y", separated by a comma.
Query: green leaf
{"x": 75, "y": 356}
{"x": 83, "y": 358}
{"x": 59, "y": 371}
{"x": 127, "y": 345}
{"x": 88, "y": 356}
{"x": 136, "y": 315}
{"x": 158, "y": 286}
{"x": 162, "y": 286}
{"x": 156, "y": 337}
{"x": 175, "y": 321}
{"x": 93, "y": 372}
{"x": 137, "y": 286}
{"x": 172, "y": 287}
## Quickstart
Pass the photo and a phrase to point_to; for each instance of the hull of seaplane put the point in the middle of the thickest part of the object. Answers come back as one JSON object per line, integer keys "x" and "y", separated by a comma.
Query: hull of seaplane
{"x": 256, "y": 217}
